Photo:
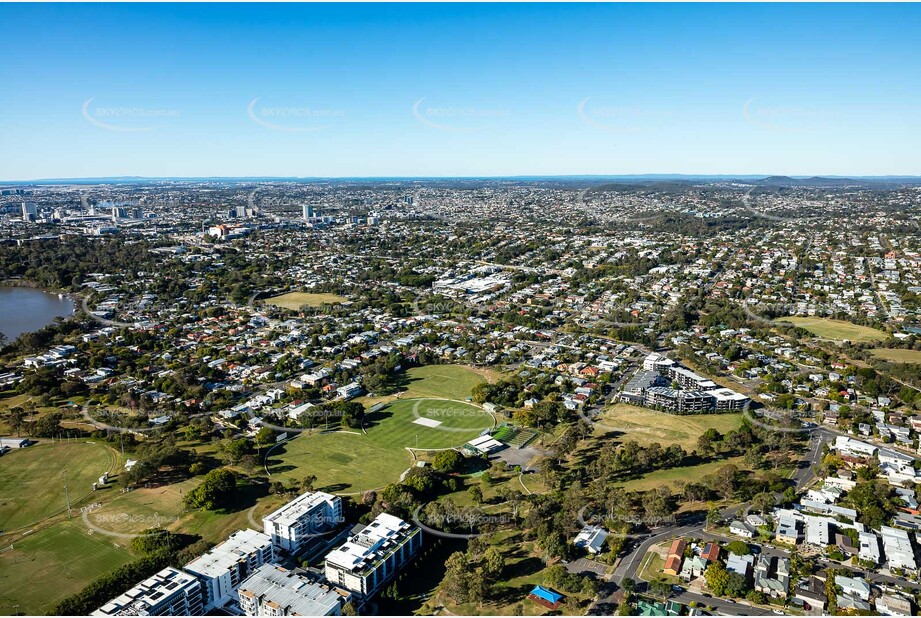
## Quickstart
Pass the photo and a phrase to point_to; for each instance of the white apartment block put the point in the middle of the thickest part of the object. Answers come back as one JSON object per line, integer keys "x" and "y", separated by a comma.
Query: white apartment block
{"x": 303, "y": 518}
{"x": 221, "y": 569}
{"x": 275, "y": 591}
{"x": 371, "y": 558}
{"x": 898, "y": 549}
{"x": 170, "y": 592}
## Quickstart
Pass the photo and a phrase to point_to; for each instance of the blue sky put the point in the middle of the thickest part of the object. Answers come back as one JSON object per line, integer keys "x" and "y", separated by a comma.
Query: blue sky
{"x": 458, "y": 90}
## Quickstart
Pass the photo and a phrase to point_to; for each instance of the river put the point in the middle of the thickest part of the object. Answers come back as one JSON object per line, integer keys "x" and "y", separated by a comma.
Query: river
{"x": 23, "y": 310}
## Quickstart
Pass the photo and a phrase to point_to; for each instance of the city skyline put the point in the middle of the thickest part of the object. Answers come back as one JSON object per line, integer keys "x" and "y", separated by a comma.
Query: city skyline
{"x": 422, "y": 91}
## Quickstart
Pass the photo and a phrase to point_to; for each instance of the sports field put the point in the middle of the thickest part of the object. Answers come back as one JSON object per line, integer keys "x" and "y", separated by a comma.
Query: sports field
{"x": 32, "y": 479}
{"x": 351, "y": 462}
{"x": 62, "y": 558}
{"x": 837, "y": 330}
{"x": 447, "y": 381}
{"x": 646, "y": 426}
{"x": 898, "y": 356}
{"x": 296, "y": 300}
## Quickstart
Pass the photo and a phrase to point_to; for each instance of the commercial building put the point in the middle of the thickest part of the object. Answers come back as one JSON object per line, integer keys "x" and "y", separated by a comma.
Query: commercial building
{"x": 221, "y": 569}
{"x": 170, "y": 592}
{"x": 275, "y": 591}
{"x": 371, "y": 558}
{"x": 303, "y": 519}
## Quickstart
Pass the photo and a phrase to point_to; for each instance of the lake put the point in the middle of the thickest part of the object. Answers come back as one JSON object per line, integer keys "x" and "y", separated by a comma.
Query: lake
{"x": 23, "y": 310}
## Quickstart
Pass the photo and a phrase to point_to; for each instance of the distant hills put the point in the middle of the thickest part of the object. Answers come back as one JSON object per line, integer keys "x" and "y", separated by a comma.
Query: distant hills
{"x": 638, "y": 179}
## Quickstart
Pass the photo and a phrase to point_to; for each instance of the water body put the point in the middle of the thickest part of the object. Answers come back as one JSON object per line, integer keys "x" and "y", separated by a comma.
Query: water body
{"x": 24, "y": 310}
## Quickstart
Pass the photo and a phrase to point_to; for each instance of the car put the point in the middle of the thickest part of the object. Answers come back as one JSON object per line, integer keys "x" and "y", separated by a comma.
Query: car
{"x": 677, "y": 588}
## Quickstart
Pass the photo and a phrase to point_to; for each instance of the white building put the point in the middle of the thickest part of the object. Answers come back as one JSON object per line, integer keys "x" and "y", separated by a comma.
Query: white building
{"x": 374, "y": 556}
{"x": 221, "y": 569}
{"x": 275, "y": 591}
{"x": 170, "y": 592}
{"x": 853, "y": 587}
{"x": 855, "y": 448}
{"x": 898, "y": 549}
{"x": 869, "y": 547}
{"x": 592, "y": 538}
{"x": 305, "y": 517}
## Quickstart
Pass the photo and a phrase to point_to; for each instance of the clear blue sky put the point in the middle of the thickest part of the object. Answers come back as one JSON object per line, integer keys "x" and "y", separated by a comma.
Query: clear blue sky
{"x": 458, "y": 90}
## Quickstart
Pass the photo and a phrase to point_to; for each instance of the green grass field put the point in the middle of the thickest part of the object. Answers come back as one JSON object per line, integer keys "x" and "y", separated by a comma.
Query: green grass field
{"x": 296, "y": 300}
{"x": 52, "y": 564}
{"x": 32, "y": 479}
{"x": 671, "y": 476}
{"x": 447, "y": 381}
{"x": 646, "y": 426}
{"x": 349, "y": 462}
{"x": 837, "y": 330}
{"x": 898, "y": 356}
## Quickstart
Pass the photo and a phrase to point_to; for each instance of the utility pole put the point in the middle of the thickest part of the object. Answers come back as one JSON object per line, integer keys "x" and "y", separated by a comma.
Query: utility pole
{"x": 66, "y": 493}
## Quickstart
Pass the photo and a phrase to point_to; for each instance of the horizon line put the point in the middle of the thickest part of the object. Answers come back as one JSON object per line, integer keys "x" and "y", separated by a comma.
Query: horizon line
{"x": 715, "y": 176}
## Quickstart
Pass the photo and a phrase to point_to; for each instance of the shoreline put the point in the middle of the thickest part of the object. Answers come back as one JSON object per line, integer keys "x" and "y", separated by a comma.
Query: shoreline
{"x": 75, "y": 308}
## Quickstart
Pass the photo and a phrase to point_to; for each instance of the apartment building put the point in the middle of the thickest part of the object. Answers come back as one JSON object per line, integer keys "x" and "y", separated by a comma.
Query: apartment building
{"x": 275, "y": 591}
{"x": 221, "y": 569}
{"x": 302, "y": 519}
{"x": 170, "y": 592}
{"x": 372, "y": 557}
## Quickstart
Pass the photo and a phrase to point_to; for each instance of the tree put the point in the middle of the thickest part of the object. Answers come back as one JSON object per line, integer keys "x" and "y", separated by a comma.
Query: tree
{"x": 763, "y": 502}
{"x": 349, "y": 609}
{"x": 233, "y": 451}
{"x": 15, "y": 418}
{"x": 49, "y": 425}
{"x": 265, "y": 436}
{"x": 476, "y": 494}
{"x": 629, "y": 585}
{"x": 739, "y": 548}
{"x": 717, "y": 578}
{"x": 659, "y": 588}
{"x": 307, "y": 482}
{"x": 214, "y": 492}
{"x": 736, "y": 585}
{"x": 493, "y": 563}
{"x": 448, "y": 461}
{"x": 151, "y": 541}
{"x": 456, "y": 582}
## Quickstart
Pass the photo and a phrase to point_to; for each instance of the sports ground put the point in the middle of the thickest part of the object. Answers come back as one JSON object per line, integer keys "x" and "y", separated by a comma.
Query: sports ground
{"x": 296, "y": 300}
{"x": 837, "y": 330}
{"x": 32, "y": 479}
{"x": 348, "y": 462}
{"x": 72, "y": 552}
